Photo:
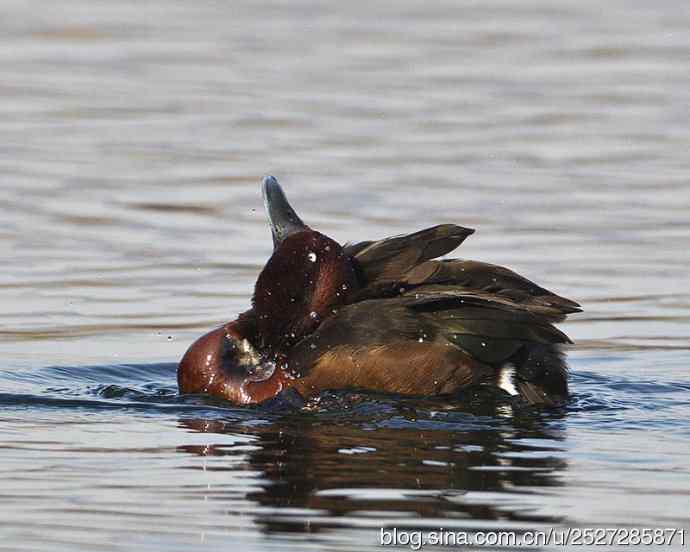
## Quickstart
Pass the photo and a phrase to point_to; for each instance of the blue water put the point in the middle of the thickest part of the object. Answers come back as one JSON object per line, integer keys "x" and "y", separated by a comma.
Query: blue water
{"x": 134, "y": 137}
{"x": 117, "y": 444}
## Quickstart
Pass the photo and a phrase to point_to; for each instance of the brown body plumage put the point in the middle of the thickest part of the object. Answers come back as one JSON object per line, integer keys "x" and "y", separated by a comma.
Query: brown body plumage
{"x": 383, "y": 316}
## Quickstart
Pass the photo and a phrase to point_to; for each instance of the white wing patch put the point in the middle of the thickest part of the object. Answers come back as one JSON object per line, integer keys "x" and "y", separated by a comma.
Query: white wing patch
{"x": 505, "y": 379}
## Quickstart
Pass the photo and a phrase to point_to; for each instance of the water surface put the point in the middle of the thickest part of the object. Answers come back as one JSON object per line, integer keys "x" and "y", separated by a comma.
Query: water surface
{"x": 134, "y": 136}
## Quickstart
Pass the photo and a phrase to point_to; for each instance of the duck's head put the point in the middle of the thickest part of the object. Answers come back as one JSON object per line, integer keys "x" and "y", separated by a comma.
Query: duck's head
{"x": 224, "y": 363}
{"x": 305, "y": 280}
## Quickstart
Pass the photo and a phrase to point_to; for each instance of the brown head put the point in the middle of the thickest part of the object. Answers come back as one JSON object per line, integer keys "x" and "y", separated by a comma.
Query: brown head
{"x": 307, "y": 277}
{"x": 224, "y": 363}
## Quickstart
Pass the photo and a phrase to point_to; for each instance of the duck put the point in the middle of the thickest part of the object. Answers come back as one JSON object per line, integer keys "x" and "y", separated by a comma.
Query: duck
{"x": 390, "y": 316}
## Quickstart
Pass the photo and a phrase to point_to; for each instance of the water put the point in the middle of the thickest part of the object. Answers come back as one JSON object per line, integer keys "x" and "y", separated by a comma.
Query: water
{"x": 134, "y": 136}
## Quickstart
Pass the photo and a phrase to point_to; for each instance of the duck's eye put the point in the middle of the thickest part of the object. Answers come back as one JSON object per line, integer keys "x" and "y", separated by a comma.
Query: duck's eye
{"x": 242, "y": 353}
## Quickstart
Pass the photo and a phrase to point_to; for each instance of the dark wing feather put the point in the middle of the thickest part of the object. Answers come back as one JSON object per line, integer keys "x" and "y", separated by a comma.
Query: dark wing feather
{"x": 492, "y": 332}
{"x": 387, "y": 260}
{"x": 488, "y": 281}
{"x": 405, "y": 263}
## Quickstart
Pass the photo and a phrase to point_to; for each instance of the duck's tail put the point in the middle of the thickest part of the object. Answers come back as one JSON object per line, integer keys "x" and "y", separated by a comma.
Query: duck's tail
{"x": 537, "y": 374}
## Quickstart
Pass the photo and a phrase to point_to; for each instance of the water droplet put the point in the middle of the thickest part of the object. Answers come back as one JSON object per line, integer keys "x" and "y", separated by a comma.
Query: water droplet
{"x": 483, "y": 343}
{"x": 312, "y": 346}
{"x": 421, "y": 340}
{"x": 344, "y": 286}
{"x": 170, "y": 338}
{"x": 327, "y": 248}
{"x": 312, "y": 257}
{"x": 314, "y": 315}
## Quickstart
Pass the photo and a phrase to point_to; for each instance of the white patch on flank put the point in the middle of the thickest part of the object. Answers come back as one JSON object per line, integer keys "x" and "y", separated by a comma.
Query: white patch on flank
{"x": 505, "y": 379}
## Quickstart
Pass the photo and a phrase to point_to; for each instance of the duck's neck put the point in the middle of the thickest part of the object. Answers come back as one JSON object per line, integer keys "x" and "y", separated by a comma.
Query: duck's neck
{"x": 304, "y": 280}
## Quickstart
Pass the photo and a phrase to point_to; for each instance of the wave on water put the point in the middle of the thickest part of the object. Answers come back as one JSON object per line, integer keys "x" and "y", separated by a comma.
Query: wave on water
{"x": 598, "y": 400}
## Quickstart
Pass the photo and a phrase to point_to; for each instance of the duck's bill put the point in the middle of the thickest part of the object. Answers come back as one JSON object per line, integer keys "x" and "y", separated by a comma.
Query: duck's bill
{"x": 281, "y": 216}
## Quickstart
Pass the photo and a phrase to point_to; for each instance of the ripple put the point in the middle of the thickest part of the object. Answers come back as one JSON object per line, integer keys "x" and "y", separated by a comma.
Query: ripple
{"x": 134, "y": 138}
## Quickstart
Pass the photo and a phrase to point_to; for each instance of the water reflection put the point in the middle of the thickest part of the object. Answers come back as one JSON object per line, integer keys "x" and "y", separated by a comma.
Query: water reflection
{"x": 415, "y": 463}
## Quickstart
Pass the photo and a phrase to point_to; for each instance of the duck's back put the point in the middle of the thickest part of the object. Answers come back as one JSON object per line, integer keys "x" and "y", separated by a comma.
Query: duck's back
{"x": 390, "y": 266}
{"x": 423, "y": 326}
